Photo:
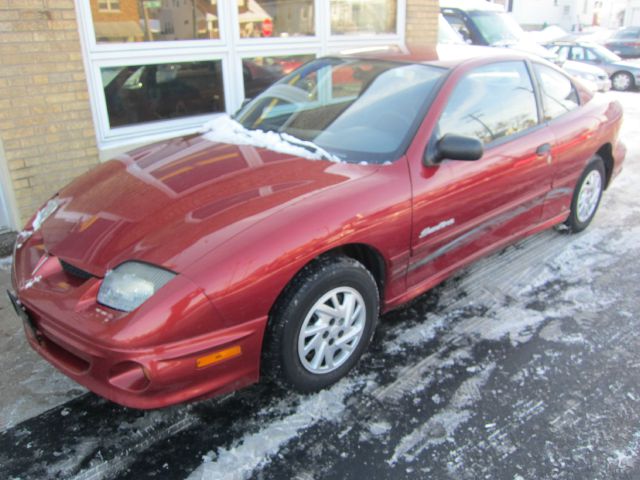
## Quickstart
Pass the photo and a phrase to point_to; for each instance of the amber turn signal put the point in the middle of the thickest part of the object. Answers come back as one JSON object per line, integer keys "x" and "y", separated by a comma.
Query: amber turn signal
{"x": 218, "y": 356}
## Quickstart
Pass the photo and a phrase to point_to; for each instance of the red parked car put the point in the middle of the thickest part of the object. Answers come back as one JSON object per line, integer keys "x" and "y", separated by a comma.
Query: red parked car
{"x": 270, "y": 244}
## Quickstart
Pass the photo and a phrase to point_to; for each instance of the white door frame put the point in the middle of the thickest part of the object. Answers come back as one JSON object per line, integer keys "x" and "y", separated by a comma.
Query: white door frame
{"x": 9, "y": 216}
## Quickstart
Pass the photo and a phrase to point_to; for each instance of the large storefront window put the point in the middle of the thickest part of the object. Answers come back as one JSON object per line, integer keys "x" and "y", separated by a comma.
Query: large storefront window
{"x": 156, "y": 68}
{"x": 275, "y": 18}
{"x": 146, "y": 93}
{"x": 358, "y": 17}
{"x": 260, "y": 72}
{"x": 154, "y": 20}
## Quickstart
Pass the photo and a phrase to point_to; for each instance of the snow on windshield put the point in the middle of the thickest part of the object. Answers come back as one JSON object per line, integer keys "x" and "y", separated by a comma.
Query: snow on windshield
{"x": 224, "y": 129}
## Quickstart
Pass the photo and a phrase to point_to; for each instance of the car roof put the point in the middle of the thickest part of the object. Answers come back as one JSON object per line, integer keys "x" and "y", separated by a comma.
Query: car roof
{"x": 443, "y": 55}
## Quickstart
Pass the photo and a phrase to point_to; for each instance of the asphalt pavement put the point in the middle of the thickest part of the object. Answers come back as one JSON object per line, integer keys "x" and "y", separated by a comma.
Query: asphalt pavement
{"x": 525, "y": 365}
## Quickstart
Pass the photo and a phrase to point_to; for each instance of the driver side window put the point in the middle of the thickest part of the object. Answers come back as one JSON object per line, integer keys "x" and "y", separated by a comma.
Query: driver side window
{"x": 491, "y": 102}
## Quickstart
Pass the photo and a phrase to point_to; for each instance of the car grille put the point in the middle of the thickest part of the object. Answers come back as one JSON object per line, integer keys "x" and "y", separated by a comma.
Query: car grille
{"x": 75, "y": 271}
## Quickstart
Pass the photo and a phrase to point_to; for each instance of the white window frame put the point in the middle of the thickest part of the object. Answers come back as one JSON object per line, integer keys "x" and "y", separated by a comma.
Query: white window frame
{"x": 228, "y": 48}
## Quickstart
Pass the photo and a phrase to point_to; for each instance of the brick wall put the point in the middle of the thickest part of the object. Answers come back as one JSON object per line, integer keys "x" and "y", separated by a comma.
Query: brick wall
{"x": 45, "y": 120}
{"x": 422, "y": 22}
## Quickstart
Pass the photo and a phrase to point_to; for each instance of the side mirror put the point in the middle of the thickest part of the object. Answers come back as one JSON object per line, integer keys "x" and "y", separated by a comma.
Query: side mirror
{"x": 454, "y": 147}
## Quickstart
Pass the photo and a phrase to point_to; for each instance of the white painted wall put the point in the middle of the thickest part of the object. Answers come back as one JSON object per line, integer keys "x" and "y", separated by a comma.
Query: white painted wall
{"x": 565, "y": 13}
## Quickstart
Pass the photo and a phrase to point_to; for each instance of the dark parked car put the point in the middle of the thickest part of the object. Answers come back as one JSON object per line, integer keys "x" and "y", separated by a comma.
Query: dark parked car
{"x": 625, "y": 75}
{"x": 270, "y": 244}
{"x": 625, "y": 42}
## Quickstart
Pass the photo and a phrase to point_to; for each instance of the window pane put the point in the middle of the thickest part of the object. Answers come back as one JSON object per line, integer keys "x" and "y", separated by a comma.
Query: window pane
{"x": 491, "y": 102}
{"x": 275, "y": 18}
{"x": 355, "y": 17}
{"x": 154, "y": 20}
{"x": 148, "y": 93}
{"x": 558, "y": 94}
{"x": 260, "y": 72}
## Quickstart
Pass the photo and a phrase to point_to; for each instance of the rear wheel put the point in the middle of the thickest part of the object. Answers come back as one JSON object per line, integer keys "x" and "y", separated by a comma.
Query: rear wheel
{"x": 586, "y": 196}
{"x": 322, "y": 324}
{"x": 622, "y": 81}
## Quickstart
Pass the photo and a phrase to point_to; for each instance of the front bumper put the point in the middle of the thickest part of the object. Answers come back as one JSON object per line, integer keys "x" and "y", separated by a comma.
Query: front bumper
{"x": 87, "y": 342}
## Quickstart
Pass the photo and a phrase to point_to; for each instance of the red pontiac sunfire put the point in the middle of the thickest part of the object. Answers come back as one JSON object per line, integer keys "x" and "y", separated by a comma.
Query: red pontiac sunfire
{"x": 269, "y": 244}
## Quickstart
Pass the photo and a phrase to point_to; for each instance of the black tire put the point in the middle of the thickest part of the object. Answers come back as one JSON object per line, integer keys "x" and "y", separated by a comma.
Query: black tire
{"x": 578, "y": 221}
{"x": 281, "y": 362}
{"x": 622, "y": 81}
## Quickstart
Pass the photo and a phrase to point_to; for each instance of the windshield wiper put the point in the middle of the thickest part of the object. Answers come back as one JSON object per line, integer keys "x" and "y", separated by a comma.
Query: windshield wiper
{"x": 308, "y": 145}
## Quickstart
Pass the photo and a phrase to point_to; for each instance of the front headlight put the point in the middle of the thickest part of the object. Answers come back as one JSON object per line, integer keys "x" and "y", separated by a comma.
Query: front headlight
{"x": 131, "y": 284}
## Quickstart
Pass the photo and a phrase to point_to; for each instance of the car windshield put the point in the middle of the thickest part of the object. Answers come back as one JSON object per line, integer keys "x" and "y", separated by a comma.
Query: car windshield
{"x": 355, "y": 109}
{"x": 497, "y": 27}
{"x": 446, "y": 33}
{"x": 605, "y": 54}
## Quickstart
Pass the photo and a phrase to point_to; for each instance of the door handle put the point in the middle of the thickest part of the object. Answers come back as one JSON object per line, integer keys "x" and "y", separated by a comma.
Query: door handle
{"x": 543, "y": 149}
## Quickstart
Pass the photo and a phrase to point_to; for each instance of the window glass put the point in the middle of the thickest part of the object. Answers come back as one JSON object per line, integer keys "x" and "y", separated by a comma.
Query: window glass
{"x": 356, "y": 17}
{"x": 459, "y": 26}
{"x": 146, "y": 93}
{"x": 563, "y": 53}
{"x": 605, "y": 54}
{"x": 581, "y": 54}
{"x": 496, "y": 27}
{"x": 358, "y": 110}
{"x": 558, "y": 94}
{"x": 260, "y": 72}
{"x": 577, "y": 53}
{"x": 275, "y": 18}
{"x": 491, "y": 102}
{"x": 154, "y": 20}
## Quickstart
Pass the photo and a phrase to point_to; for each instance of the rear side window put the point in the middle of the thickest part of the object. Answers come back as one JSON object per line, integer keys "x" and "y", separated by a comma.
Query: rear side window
{"x": 491, "y": 102}
{"x": 559, "y": 96}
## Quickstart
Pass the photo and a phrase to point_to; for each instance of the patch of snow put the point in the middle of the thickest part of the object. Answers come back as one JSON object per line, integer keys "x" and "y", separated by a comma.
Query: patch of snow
{"x": 441, "y": 427}
{"x": 22, "y": 237}
{"x": 31, "y": 282}
{"x": 419, "y": 334}
{"x": 379, "y": 428}
{"x": 250, "y": 452}
{"x": 224, "y": 129}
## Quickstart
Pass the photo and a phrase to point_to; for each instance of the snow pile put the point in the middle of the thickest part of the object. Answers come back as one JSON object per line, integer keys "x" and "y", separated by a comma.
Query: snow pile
{"x": 224, "y": 129}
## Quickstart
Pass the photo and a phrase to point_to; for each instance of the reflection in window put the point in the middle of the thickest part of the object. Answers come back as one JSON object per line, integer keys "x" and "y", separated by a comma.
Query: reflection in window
{"x": 275, "y": 18}
{"x": 558, "y": 94}
{"x": 491, "y": 102}
{"x": 260, "y": 72}
{"x": 363, "y": 16}
{"x": 154, "y": 20}
{"x": 147, "y": 93}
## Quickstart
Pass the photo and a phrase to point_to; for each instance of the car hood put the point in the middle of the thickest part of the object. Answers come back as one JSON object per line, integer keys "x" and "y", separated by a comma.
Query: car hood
{"x": 170, "y": 203}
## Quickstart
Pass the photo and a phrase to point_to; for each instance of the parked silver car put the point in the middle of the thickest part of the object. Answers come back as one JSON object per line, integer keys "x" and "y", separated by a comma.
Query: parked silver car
{"x": 625, "y": 74}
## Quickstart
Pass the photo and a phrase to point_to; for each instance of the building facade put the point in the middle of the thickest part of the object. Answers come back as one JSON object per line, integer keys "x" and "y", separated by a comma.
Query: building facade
{"x": 82, "y": 80}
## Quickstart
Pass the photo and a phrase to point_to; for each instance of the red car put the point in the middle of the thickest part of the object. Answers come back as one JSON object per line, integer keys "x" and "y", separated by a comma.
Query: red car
{"x": 270, "y": 244}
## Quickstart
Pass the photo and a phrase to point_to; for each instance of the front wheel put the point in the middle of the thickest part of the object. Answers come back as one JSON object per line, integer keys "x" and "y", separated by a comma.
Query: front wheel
{"x": 622, "y": 81}
{"x": 586, "y": 196}
{"x": 321, "y": 325}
